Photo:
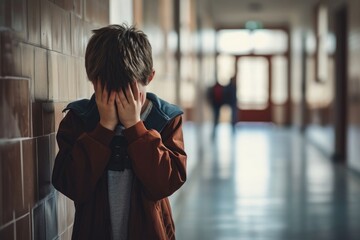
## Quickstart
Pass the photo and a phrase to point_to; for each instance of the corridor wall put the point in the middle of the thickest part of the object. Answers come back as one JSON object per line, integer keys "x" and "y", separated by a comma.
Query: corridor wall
{"x": 42, "y": 46}
{"x": 353, "y": 96}
{"x": 320, "y": 114}
{"x": 172, "y": 28}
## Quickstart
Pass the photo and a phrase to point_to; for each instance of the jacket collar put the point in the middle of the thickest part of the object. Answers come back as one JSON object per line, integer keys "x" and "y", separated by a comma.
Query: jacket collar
{"x": 161, "y": 113}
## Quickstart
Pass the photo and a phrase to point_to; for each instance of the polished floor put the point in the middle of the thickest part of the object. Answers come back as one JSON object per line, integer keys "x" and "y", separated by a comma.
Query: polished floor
{"x": 265, "y": 182}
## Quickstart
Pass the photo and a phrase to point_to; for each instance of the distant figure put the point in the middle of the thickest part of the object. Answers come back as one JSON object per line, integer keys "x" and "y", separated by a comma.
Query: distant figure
{"x": 216, "y": 99}
{"x": 231, "y": 99}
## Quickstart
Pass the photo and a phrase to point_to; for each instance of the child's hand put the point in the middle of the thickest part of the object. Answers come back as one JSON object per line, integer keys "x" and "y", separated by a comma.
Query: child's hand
{"x": 129, "y": 103}
{"x": 106, "y": 106}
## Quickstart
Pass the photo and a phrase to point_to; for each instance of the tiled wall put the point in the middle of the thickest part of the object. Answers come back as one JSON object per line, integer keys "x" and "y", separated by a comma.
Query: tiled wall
{"x": 42, "y": 46}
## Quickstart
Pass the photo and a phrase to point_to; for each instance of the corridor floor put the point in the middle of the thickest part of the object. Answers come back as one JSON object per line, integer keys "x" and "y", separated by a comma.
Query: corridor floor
{"x": 265, "y": 182}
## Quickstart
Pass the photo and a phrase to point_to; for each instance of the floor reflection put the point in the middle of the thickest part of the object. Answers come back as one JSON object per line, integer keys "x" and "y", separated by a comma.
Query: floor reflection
{"x": 267, "y": 182}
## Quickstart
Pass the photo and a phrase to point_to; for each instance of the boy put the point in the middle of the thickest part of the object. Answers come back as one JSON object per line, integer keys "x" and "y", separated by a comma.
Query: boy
{"x": 121, "y": 153}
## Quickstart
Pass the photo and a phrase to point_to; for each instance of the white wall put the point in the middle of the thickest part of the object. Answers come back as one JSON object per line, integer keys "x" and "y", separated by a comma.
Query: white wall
{"x": 121, "y": 11}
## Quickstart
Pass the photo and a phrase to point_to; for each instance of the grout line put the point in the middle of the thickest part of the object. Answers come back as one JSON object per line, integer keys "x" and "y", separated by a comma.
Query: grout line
{"x": 22, "y": 172}
{"x": 14, "y": 78}
{"x": 7, "y": 224}
{"x": 12, "y": 140}
{"x": 13, "y": 220}
{"x": 30, "y": 222}
{"x": 37, "y": 170}
{"x": 14, "y": 226}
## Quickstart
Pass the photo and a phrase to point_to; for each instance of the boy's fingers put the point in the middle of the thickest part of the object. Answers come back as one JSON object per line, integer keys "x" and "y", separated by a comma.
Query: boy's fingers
{"x": 96, "y": 87}
{"x": 112, "y": 97}
{"x": 129, "y": 93}
{"x": 143, "y": 97}
{"x": 122, "y": 97}
{"x": 105, "y": 94}
{"x": 126, "y": 92}
{"x": 135, "y": 90}
{"x": 119, "y": 104}
{"x": 98, "y": 91}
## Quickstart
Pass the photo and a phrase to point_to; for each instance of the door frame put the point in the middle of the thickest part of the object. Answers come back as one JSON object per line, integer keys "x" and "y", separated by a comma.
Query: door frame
{"x": 257, "y": 115}
{"x": 287, "y": 106}
{"x": 341, "y": 79}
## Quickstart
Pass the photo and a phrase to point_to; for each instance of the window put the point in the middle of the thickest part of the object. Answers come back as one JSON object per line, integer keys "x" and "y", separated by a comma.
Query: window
{"x": 321, "y": 43}
{"x": 244, "y": 41}
{"x": 253, "y": 84}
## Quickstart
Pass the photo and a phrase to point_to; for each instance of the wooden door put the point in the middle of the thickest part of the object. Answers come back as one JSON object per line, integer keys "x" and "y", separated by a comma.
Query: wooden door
{"x": 254, "y": 88}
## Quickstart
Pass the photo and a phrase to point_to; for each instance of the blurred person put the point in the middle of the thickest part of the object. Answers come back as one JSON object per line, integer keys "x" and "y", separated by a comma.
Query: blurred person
{"x": 231, "y": 99}
{"x": 216, "y": 99}
{"x": 121, "y": 153}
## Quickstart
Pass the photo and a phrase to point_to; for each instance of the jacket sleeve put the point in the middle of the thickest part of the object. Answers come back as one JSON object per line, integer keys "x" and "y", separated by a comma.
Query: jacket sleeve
{"x": 159, "y": 161}
{"x": 82, "y": 158}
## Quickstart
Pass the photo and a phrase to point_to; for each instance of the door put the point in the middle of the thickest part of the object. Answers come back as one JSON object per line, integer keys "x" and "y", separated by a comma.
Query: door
{"x": 254, "y": 88}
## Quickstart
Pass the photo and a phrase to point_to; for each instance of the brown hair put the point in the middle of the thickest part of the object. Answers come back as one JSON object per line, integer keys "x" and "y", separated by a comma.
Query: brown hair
{"x": 118, "y": 55}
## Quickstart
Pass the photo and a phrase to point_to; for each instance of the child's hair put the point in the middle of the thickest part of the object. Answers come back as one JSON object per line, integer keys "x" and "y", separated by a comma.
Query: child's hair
{"x": 117, "y": 55}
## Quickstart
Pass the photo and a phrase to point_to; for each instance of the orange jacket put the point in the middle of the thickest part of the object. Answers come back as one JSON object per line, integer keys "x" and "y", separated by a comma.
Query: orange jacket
{"x": 158, "y": 163}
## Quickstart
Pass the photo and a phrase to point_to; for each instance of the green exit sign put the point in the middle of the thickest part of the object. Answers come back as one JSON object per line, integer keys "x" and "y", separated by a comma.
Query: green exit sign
{"x": 253, "y": 25}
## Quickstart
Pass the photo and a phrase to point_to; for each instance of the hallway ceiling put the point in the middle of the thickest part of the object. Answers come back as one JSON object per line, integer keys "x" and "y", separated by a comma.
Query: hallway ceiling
{"x": 227, "y": 13}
